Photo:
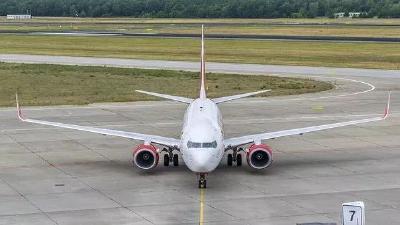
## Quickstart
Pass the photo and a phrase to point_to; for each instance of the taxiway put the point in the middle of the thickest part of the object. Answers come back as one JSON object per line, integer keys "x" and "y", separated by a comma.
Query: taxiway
{"x": 56, "y": 176}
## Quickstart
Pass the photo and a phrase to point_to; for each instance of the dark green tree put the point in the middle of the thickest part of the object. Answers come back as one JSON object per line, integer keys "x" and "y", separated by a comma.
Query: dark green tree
{"x": 201, "y": 8}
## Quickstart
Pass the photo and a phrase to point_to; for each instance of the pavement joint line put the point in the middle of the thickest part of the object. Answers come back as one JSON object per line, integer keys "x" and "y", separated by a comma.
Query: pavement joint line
{"x": 368, "y": 141}
{"x": 62, "y": 211}
{"x": 202, "y": 201}
{"x": 385, "y": 206}
{"x": 221, "y": 210}
{"x": 359, "y": 138}
{"x": 116, "y": 113}
{"x": 100, "y": 192}
{"x": 29, "y": 201}
{"x": 288, "y": 202}
{"x": 115, "y": 201}
{"x": 238, "y": 219}
{"x": 93, "y": 151}
{"x": 309, "y": 140}
{"x": 94, "y": 189}
{"x": 30, "y": 151}
{"x": 280, "y": 196}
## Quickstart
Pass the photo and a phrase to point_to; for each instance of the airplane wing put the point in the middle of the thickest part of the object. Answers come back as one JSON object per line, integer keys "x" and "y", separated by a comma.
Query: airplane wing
{"x": 170, "y": 97}
{"x": 257, "y": 138}
{"x": 234, "y": 97}
{"x": 171, "y": 142}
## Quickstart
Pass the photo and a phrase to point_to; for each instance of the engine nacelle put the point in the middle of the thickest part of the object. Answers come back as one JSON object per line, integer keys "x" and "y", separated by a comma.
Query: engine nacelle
{"x": 145, "y": 157}
{"x": 259, "y": 156}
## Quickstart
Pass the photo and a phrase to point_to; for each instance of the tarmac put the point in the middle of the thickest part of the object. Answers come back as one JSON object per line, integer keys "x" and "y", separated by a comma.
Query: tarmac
{"x": 57, "y": 176}
{"x": 266, "y": 37}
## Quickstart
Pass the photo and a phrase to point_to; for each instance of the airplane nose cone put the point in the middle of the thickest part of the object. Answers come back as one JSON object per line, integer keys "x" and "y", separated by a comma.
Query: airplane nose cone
{"x": 202, "y": 162}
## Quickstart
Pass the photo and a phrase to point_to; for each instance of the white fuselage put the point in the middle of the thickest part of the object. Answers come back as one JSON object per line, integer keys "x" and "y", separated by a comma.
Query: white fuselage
{"x": 202, "y": 141}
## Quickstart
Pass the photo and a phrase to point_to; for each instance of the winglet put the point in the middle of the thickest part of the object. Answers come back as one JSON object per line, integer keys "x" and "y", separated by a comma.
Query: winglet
{"x": 19, "y": 113}
{"x": 387, "y": 109}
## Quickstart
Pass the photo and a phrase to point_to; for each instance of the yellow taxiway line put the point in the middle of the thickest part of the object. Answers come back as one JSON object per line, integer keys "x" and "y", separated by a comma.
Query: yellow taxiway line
{"x": 201, "y": 219}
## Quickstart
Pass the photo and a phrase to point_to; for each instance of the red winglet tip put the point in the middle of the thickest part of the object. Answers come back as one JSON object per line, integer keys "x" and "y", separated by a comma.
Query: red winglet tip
{"x": 387, "y": 109}
{"x": 19, "y": 112}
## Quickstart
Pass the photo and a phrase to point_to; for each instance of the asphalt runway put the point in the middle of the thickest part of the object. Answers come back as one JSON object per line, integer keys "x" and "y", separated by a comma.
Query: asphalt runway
{"x": 194, "y": 66}
{"x": 211, "y": 36}
{"x": 58, "y": 176}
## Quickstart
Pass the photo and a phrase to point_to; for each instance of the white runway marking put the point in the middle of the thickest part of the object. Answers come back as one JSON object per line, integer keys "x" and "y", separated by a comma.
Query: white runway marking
{"x": 370, "y": 88}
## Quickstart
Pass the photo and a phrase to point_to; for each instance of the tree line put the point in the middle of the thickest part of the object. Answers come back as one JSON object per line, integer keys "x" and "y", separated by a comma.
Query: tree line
{"x": 201, "y": 8}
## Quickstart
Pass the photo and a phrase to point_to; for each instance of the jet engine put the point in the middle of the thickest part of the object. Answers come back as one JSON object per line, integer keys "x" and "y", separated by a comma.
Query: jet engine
{"x": 259, "y": 156}
{"x": 145, "y": 157}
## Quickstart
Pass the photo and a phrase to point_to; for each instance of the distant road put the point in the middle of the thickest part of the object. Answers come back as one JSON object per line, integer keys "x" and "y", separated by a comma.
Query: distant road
{"x": 194, "y": 66}
{"x": 264, "y": 37}
{"x": 215, "y": 36}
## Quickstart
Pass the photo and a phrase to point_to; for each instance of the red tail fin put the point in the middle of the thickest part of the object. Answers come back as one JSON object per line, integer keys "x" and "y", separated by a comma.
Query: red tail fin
{"x": 203, "y": 67}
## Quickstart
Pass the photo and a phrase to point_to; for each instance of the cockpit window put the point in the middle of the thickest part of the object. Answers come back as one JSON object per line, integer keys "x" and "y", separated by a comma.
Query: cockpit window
{"x": 210, "y": 144}
{"x": 191, "y": 144}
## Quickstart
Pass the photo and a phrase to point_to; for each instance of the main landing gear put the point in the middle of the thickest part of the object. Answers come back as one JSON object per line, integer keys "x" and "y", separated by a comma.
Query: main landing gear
{"x": 202, "y": 181}
{"x": 235, "y": 157}
{"x": 170, "y": 157}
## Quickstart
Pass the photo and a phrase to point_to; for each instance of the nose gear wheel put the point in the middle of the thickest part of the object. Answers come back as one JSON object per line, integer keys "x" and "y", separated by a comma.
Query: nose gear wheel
{"x": 202, "y": 181}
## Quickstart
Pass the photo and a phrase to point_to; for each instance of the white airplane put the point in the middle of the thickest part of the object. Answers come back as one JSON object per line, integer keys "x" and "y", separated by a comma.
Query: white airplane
{"x": 202, "y": 144}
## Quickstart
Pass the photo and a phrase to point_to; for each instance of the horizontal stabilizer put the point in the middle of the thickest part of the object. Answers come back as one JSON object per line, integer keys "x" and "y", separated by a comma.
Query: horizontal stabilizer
{"x": 170, "y": 97}
{"x": 234, "y": 97}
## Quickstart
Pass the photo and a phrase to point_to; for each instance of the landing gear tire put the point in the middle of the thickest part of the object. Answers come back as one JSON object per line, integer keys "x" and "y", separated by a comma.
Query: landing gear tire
{"x": 166, "y": 160}
{"x": 239, "y": 160}
{"x": 176, "y": 160}
{"x": 202, "y": 184}
{"x": 230, "y": 159}
{"x": 202, "y": 181}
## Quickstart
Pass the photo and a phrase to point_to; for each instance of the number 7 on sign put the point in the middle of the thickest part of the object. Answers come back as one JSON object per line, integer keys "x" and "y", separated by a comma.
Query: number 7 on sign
{"x": 353, "y": 213}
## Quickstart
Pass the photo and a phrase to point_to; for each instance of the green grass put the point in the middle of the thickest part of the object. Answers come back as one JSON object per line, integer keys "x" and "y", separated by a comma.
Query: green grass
{"x": 331, "y": 54}
{"x": 55, "y": 84}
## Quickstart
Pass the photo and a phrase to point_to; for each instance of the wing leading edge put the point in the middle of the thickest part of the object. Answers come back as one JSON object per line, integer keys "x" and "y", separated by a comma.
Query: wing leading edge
{"x": 257, "y": 138}
{"x": 172, "y": 142}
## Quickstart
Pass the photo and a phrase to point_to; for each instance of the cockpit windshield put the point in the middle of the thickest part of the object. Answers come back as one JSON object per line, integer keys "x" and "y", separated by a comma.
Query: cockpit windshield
{"x": 191, "y": 144}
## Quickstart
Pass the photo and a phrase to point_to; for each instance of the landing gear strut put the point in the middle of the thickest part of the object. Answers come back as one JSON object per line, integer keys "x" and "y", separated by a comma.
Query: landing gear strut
{"x": 176, "y": 160}
{"x": 235, "y": 157}
{"x": 170, "y": 157}
{"x": 166, "y": 160}
{"x": 202, "y": 181}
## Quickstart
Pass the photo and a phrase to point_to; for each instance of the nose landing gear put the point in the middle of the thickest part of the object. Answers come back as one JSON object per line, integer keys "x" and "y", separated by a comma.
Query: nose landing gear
{"x": 202, "y": 181}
